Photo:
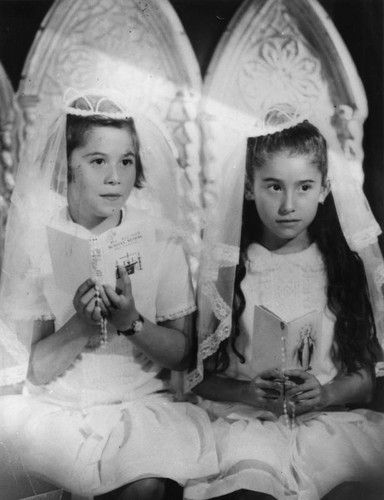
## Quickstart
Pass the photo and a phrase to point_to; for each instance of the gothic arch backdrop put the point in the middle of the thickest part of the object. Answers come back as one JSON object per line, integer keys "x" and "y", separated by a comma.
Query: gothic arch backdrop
{"x": 80, "y": 42}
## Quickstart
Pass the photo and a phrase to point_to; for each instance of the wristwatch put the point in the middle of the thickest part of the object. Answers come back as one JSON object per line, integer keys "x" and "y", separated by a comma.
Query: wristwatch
{"x": 135, "y": 327}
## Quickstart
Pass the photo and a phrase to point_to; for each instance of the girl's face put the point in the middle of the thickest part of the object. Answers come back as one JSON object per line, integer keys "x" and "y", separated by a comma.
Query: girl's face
{"x": 287, "y": 190}
{"x": 103, "y": 172}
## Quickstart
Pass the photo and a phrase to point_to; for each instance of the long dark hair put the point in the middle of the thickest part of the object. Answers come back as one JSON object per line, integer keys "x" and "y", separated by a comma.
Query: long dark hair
{"x": 356, "y": 344}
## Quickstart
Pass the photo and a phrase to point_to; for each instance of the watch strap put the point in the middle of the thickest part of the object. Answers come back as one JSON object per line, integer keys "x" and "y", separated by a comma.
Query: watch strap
{"x": 135, "y": 327}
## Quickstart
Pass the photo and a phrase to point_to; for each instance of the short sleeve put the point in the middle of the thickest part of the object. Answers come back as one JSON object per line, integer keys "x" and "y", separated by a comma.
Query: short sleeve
{"x": 175, "y": 294}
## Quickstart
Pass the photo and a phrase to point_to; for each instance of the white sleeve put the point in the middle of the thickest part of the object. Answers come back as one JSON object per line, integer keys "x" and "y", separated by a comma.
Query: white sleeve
{"x": 175, "y": 295}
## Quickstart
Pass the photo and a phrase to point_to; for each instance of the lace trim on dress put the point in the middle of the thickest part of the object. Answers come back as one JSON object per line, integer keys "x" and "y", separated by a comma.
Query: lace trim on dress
{"x": 211, "y": 342}
{"x": 12, "y": 375}
{"x": 176, "y": 315}
{"x": 220, "y": 308}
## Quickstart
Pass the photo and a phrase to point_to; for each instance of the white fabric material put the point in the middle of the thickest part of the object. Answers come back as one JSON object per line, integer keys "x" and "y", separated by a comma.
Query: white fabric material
{"x": 290, "y": 286}
{"x": 117, "y": 371}
{"x": 304, "y": 463}
{"x": 109, "y": 419}
{"x": 223, "y": 231}
{"x": 258, "y": 451}
{"x": 40, "y": 191}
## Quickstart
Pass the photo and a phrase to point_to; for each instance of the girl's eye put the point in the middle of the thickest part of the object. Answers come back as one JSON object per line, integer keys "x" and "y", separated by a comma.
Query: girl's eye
{"x": 274, "y": 187}
{"x": 98, "y": 161}
{"x": 127, "y": 162}
{"x": 305, "y": 187}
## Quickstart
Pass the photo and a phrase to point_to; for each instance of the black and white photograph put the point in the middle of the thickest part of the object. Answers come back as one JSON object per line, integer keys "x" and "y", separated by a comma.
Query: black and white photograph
{"x": 191, "y": 250}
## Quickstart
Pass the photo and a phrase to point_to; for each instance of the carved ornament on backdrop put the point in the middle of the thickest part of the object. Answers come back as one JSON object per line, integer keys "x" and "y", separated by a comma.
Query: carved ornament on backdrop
{"x": 272, "y": 50}
{"x": 273, "y": 62}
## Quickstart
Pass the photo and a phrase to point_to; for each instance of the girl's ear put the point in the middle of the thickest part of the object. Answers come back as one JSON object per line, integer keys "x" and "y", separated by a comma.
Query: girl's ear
{"x": 248, "y": 192}
{"x": 325, "y": 190}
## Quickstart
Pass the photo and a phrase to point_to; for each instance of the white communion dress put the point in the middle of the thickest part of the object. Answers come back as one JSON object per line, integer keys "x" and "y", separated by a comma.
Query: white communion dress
{"x": 258, "y": 451}
{"x": 110, "y": 419}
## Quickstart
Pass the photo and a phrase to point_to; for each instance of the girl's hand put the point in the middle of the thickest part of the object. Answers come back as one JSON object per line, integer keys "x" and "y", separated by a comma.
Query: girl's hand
{"x": 266, "y": 390}
{"x": 86, "y": 303}
{"x": 307, "y": 394}
{"x": 120, "y": 303}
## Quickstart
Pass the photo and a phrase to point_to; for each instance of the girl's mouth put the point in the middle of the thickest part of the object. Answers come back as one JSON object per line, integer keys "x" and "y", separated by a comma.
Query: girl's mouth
{"x": 111, "y": 197}
{"x": 288, "y": 223}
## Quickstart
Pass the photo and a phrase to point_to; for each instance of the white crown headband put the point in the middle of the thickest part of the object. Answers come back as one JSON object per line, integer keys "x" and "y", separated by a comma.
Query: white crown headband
{"x": 288, "y": 117}
{"x": 95, "y": 102}
{"x": 95, "y": 98}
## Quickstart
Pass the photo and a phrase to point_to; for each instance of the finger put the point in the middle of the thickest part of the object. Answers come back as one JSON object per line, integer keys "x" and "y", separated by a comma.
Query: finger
{"x": 297, "y": 373}
{"x": 272, "y": 373}
{"x": 112, "y": 297}
{"x": 307, "y": 396}
{"x": 289, "y": 384}
{"x": 305, "y": 406}
{"x": 272, "y": 394}
{"x": 89, "y": 310}
{"x": 125, "y": 281}
{"x": 305, "y": 400}
{"x": 84, "y": 288}
{"x": 105, "y": 313}
{"x": 299, "y": 389}
{"x": 271, "y": 386}
{"x": 264, "y": 396}
{"x": 104, "y": 300}
{"x": 85, "y": 300}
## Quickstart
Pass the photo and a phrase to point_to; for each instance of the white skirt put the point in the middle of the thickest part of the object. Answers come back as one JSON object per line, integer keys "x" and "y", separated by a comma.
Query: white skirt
{"x": 96, "y": 450}
{"x": 302, "y": 462}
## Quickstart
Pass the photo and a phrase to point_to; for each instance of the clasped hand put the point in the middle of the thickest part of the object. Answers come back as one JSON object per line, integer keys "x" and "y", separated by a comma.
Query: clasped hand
{"x": 307, "y": 393}
{"x": 270, "y": 387}
{"x": 117, "y": 305}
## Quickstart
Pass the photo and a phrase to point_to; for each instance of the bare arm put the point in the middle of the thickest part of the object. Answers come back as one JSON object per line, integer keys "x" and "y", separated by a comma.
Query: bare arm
{"x": 54, "y": 351}
{"x": 169, "y": 344}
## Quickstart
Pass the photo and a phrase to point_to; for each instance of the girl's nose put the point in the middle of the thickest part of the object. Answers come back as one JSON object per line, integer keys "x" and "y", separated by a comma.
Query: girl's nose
{"x": 287, "y": 205}
{"x": 112, "y": 176}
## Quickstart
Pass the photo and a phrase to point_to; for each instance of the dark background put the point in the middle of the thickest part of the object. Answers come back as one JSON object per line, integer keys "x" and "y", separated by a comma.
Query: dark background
{"x": 359, "y": 22}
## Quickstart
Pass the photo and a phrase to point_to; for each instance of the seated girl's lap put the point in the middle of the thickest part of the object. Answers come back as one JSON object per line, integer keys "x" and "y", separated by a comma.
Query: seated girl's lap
{"x": 244, "y": 439}
{"x": 344, "y": 435}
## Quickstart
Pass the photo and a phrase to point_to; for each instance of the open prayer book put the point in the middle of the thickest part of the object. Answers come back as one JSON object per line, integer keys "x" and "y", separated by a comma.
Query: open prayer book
{"x": 284, "y": 345}
{"x": 76, "y": 256}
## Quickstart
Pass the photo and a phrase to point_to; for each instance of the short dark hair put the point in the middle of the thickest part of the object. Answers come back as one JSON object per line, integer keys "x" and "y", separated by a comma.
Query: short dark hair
{"x": 78, "y": 127}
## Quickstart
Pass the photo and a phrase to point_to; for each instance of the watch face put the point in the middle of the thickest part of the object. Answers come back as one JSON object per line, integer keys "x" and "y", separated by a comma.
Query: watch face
{"x": 138, "y": 325}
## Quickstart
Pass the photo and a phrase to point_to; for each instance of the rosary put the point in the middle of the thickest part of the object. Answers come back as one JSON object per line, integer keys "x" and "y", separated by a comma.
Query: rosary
{"x": 289, "y": 419}
{"x": 103, "y": 322}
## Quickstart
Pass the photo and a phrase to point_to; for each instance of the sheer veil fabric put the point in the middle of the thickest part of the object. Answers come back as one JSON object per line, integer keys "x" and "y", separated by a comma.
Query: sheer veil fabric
{"x": 221, "y": 241}
{"x": 40, "y": 192}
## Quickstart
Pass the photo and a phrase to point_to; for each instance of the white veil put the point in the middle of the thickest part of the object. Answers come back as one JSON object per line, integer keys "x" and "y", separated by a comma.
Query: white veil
{"x": 40, "y": 191}
{"x": 221, "y": 241}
